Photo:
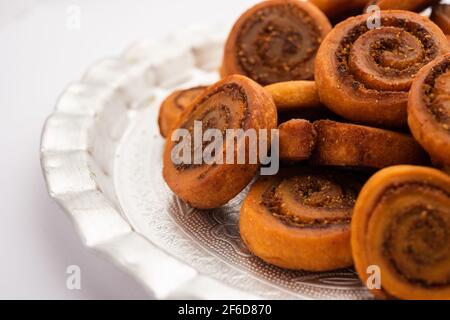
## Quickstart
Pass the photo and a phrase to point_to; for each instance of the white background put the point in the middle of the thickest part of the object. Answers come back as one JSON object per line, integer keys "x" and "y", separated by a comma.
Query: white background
{"x": 39, "y": 56}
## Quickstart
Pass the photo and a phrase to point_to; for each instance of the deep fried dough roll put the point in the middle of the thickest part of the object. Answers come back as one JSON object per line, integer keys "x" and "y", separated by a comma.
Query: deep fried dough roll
{"x": 339, "y": 8}
{"x": 297, "y": 140}
{"x": 295, "y": 95}
{"x": 401, "y": 224}
{"x": 429, "y": 109}
{"x": 364, "y": 75}
{"x": 276, "y": 41}
{"x": 441, "y": 16}
{"x": 344, "y": 144}
{"x": 235, "y": 102}
{"x": 409, "y": 5}
{"x": 174, "y": 105}
{"x": 300, "y": 219}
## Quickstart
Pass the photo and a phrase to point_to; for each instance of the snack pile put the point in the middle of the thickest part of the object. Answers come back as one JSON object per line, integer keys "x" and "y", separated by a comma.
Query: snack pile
{"x": 358, "y": 93}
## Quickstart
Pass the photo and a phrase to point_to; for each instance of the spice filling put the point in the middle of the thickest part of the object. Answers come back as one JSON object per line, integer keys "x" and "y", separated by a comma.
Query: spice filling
{"x": 384, "y": 59}
{"x": 278, "y": 43}
{"x": 313, "y": 200}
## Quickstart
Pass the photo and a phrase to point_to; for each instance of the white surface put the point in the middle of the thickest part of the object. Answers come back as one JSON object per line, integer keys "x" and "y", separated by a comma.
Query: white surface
{"x": 39, "y": 56}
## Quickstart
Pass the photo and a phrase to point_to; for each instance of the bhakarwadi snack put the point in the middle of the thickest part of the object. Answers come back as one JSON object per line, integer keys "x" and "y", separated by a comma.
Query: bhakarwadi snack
{"x": 297, "y": 140}
{"x": 235, "y": 102}
{"x": 441, "y": 16}
{"x": 173, "y": 106}
{"x": 401, "y": 225}
{"x": 409, "y": 5}
{"x": 429, "y": 109}
{"x": 294, "y": 99}
{"x": 350, "y": 145}
{"x": 300, "y": 219}
{"x": 276, "y": 41}
{"x": 364, "y": 75}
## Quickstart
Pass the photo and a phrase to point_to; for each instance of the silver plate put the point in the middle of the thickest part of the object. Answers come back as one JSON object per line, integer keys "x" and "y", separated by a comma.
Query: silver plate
{"x": 101, "y": 156}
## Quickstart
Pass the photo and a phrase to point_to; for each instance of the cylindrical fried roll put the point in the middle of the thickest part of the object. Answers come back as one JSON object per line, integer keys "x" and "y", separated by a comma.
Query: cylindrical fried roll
{"x": 300, "y": 219}
{"x": 364, "y": 75}
{"x": 297, "y": 140}
{"x": 173, "y": 106}
{"x": 295, "y": 95}
{"x": 441, "y": 16}
{"x": 409, "y": 5}
{"x": 344, "y": 144}
{"x": 429, "y": 109}
{"x": 401, "y": 227}
{"x": 236, "y": 102}
{"x": 276, "y": 41}
{"x": 338, "y": 8}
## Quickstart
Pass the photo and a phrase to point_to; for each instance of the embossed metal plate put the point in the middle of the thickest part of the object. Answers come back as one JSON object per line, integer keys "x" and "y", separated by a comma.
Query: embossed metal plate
{"x": 101, "y": 156}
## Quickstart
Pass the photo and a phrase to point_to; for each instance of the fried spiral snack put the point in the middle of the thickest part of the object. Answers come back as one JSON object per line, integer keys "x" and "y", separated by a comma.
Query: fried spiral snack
{"x": 441, "y": 16}
{"x": 174, "y": 105}
{"x": 429, "y": 109}
{"x": 275, "y": 41}
{"x": 364, "y": 75}
{"x": 344, "y": 144}
{"x": 401, "y": 224}
{"x": 409, "y": 5}
{"x": 235, "y": 102}
{"x": 300, "y": 219}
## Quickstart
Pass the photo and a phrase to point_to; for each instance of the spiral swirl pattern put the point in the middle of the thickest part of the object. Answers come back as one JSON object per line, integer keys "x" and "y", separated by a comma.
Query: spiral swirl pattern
{"x": 300, "y": 219}
{"x": 365, "y": 74}
{"x": 276, "y": 41}
{"x": 235, "y": 102}
{"x": 401, "y": 224}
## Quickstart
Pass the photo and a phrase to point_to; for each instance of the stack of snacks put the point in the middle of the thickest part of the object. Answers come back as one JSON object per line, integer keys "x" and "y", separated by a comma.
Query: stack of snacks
{"x": 348, "y": 101}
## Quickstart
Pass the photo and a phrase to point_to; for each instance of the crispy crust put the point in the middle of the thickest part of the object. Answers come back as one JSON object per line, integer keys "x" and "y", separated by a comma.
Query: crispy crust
{"x": 343, "y": 144}
{"x": 233, "y": 56}
{"x": 211, "y": 186}
{"x": 433, "y": 137}
{"x": 312, "y": 247}
{"x": 295, "y": 95}
{"x": 337, "y": 8}
{"x": 378, "y": 227}
{"x": 355, "y": 96}
{"x": 297, "y": 140}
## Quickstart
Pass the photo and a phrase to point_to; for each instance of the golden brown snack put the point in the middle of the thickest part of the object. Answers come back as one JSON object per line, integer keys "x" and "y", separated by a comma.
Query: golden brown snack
{"x": 429, "y": 109}
{"x": 409, "y": 5}
{"x": 441, "y": 16}
{"x": 364, "y": 75}
{"x": 235, "y": 102}
{"x": 174, "y": 105}
{"x": 276, "y": 41}
{"x": 338, "y": 8}
{"x": 295, "y": 95}
{"x": 297, "y": 140}
{"x": 300, "y": 219}
{"x": 401, "y": 224}
{"x": 343, "y": 144}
